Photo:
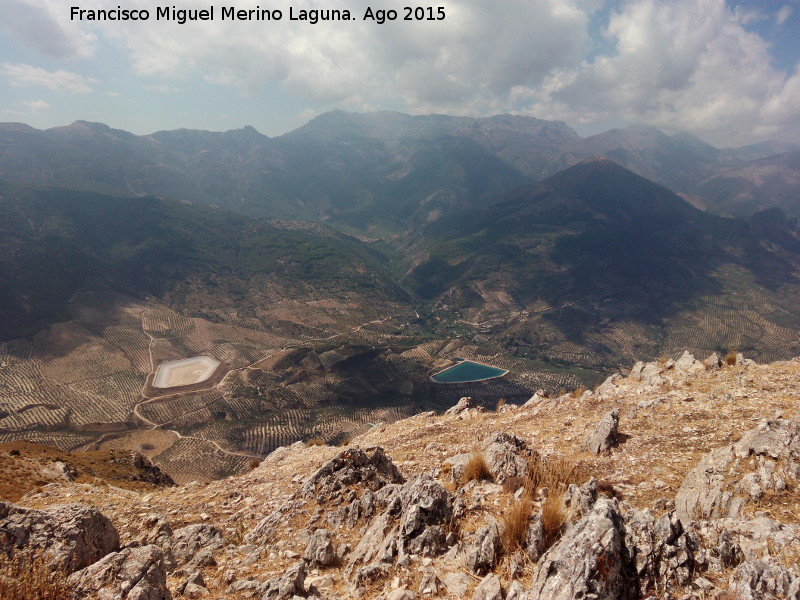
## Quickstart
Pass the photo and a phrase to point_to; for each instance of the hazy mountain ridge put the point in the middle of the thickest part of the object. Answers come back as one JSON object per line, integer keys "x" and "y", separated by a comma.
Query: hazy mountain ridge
{"x": 60, "y": 242}
{"x": 380, "y": 172}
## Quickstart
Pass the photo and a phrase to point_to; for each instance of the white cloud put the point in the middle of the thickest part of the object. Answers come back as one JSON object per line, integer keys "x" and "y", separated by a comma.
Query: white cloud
{"x": 45, "y": 26}
{"x": 478, "y": 49}
{"x": 22, "y": 75}
{"x": 678, "y": 65}
{"x": 35, "y": 106}
{"x": 784, "y": 13}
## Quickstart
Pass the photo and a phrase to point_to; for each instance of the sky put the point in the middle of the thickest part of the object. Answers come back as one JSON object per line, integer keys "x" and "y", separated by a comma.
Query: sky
{"x": 727, "y": 71}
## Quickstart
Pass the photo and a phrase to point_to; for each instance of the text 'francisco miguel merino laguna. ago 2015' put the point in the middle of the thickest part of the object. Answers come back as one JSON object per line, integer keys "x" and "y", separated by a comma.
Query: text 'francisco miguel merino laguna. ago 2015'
{"x": 231, "y": 13}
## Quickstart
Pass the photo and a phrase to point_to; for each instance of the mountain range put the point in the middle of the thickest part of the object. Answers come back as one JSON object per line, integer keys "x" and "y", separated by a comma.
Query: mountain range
{"x": 332, "y": 270}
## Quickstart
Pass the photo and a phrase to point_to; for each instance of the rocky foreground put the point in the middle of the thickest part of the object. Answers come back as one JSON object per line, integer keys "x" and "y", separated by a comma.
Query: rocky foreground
{"x": 679, "y": 481}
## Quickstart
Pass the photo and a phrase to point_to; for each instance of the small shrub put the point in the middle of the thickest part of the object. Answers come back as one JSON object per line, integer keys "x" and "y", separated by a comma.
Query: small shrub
{"x": 501, "y": 402}
{"x": 515, "y": 524}
{"x": 607, "y": 489}
{"x": 26, "y": 576}
{"x": 554, "y": 515}
{"x": 315, "y": 441}
{"x": 476, "y": 469}
{"x": 730, "y": 358}
{"x": 253, "y": 463}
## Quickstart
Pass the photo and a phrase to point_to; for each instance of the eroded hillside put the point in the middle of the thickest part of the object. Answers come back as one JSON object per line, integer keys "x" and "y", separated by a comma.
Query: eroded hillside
{"x": 678, "y": 481}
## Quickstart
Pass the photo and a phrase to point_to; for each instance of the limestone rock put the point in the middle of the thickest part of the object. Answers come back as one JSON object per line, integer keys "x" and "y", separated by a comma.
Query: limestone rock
{"x": 708, "y": 492}
{"x": 506, "y": 456}
{"x": 687, "y": 363}
{"x": 757, "y": 579}
{"x": 371, "y": 469}
{"x": 159, "y": 533}
{"x": 590, "y": 561}
{"x": 130, "y": 574}
{"x": 482, "y": 554}
{"x": 580, "y": 499}
{"x": 604, "y": 437}
{"x": 462, "y": 405}
{"x": 488, "y": 589}
{"x": 401, "y": 594}
{"x": 663, "y": 554}
{"x": 411, "y": 523}
{"x": 194, "y": 586}
{"x": 430, "y": 583}
{"x": 516, "y": 591}
{"x": 191, "y": 540}
{"x": 71, "y": 536}
{"x": 320, "y": 551}
{"x": 457, "y": 584}
{"x": 290, "y": 584}
{"x": 458, "y": 464}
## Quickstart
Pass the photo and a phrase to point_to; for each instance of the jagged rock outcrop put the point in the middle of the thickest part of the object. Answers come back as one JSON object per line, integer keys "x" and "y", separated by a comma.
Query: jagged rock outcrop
{"x": 580, "y": 499}
{"x": 130, "y": 574}
{"x": 289, "y": 585}
{"x": 430, "y": 584}
{"x": 371, "y": 469}
{"x": 483, "y": 552}
{"x": 320, "y": 551}
{"x": 194, "y": 586}
{"x": 488, "y": 589}
{"x": 604, "y": 436}
{"x": 757, "y": 579}
{"x": 506, "y": 456}
{"x": 144, "y": 469}
{"x": 461, "y": 406}
{"x": 535, "y": 538}
{"x": 733, "y": 541}
{"x": 195, "y": 541}
{"x": 412, "y": 522}
{"x": 590, "y": 561}
{"x": 663, "y": 553}
{"x": 159, "y": 533}
{"x": 71, "y": 536}
{"x": 720, "y": 485}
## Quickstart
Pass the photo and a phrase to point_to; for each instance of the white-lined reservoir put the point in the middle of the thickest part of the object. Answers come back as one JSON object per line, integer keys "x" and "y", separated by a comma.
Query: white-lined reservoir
{"x": 184, "y": 372}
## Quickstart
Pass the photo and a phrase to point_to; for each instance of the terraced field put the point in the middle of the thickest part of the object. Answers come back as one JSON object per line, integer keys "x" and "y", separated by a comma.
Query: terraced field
{"x": 324, "y": 369}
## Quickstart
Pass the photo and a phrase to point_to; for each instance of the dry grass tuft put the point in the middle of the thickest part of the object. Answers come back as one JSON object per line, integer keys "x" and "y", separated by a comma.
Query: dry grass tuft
{"x": 512, "y": 484}
{"x": 578, "y": 392}
{"x": 553, "y": 472}
{"x": 554, "y": 515}
{"x": 26, "y": 576}
{"x": 476, "y": 469}
{"x": 515, "y": 524}
{"x": 501, "y": 402}
{"x": 253, "y": 463}
{"x": 315, "y": 441}
{"x": 730, "y": 358}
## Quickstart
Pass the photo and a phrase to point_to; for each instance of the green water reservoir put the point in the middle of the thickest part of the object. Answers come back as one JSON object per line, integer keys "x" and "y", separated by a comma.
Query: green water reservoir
{"x": 467, "y": 371}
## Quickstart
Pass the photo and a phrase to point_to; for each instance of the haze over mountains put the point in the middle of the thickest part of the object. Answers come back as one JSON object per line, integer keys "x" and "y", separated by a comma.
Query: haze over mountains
{"x": 334, "y": 268}
{"x": 386, "y": 169}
